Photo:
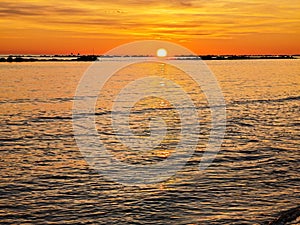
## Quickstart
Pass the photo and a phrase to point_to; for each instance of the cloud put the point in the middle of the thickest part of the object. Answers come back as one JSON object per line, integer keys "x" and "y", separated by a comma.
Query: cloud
{"x": 16, "y": 12}
{"x": 148, "y": 18}
{"x": 143, "y": 3}
{"x": 8, "y": 9}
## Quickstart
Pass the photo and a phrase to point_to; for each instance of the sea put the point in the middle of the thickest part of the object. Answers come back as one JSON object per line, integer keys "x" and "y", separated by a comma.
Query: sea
{"x": 45, "y": 178}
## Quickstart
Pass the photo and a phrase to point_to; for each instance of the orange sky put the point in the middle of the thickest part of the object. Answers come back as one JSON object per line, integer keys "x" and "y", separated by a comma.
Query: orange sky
{"x": 204, "y": 26}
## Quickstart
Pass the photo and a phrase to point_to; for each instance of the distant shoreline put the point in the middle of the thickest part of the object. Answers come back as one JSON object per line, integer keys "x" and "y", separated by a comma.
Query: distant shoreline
{"x": 91, "y": 58}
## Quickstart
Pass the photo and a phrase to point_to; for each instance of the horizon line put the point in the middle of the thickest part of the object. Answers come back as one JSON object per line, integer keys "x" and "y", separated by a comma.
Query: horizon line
{"x": 99, "y": 55}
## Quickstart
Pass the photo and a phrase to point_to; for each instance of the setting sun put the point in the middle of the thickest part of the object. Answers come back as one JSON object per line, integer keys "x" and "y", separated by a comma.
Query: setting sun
{"x": 161, "y": 52}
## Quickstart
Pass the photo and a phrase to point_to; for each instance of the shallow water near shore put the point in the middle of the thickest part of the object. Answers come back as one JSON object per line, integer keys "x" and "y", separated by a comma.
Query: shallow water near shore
{"x": 45, "y": 179}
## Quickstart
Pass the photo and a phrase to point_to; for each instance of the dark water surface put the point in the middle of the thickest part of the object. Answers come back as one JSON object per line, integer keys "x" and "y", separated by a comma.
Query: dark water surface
{"x": 45, "y": 180}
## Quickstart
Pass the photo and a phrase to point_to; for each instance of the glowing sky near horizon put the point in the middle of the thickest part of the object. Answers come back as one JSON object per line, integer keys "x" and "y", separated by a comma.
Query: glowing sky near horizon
{"x": 205, "y": 27}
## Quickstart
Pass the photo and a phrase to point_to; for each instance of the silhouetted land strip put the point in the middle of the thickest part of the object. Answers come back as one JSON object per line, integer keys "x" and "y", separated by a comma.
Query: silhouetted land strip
{"x": 84, "y": 58}
{"x": 90, "y": 58}
{"x": 235, "y": 57}
{"x": 286, "y": 216}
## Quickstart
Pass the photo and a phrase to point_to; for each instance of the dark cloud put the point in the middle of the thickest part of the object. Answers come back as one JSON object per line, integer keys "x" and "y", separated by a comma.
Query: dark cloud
{"x": 8, "y": 9}
{"x": 126, "y": 3}
{"x": 100, "y": 22}
{"x": 16, "y": 12}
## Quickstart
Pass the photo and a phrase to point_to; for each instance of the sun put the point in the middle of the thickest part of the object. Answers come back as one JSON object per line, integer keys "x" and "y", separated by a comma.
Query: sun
{"x": 161, "y": 52}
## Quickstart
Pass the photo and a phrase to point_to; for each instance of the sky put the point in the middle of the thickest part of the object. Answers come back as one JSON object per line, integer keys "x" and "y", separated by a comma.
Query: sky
{"x": 203, "y": 26}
